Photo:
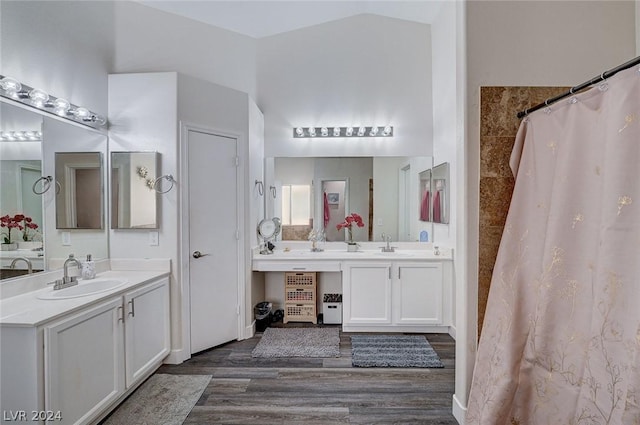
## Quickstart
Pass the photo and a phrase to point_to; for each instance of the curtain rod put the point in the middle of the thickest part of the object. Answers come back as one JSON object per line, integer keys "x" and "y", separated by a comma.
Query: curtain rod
{"x": 574, "y": 90}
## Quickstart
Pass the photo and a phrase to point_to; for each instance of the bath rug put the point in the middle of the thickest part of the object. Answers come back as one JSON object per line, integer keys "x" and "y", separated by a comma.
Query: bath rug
{"x": 298, "y": 342}
{"x": 163, "y": 399}
{"x": 393, "y": 351}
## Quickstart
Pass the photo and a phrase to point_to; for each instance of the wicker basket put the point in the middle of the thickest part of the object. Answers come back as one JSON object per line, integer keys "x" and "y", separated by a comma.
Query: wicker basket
{"x": 300, "y": 297}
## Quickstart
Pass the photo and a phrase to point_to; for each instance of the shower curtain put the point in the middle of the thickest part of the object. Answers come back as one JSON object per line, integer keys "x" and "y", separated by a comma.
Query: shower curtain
{"x": 560, "y": 342}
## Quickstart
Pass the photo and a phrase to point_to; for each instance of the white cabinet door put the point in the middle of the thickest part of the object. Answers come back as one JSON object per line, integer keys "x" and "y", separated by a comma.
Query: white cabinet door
{"x": 417, "y": 294}
{"x": 367, "y": 293}
{"x": 84, "y": 359}
{"x": 147, "y": 338}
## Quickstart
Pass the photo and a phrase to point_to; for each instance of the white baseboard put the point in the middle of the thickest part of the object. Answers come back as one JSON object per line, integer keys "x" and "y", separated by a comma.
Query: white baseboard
{"x": 249, "y": 331}
{"x": 176, "y": 357}
{"x": 452, "y": 332}
{"x": 459, "y": 411}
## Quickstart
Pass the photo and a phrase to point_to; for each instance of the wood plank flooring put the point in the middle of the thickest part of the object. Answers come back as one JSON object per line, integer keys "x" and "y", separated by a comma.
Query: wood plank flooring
{"x": 304, "y": 391}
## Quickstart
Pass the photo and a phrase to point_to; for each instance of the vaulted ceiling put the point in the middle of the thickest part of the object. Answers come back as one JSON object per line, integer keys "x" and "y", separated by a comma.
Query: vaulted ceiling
{"x": 260, "y": 19}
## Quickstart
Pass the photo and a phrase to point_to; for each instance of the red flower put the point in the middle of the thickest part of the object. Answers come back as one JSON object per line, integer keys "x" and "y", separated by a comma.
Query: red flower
{"x": 18, "y": 221}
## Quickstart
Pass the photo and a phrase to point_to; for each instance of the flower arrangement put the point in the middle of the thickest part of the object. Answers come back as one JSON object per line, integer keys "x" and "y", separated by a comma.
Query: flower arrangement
{"x": 19, "y": 222}
{"x": 348, "y": 223}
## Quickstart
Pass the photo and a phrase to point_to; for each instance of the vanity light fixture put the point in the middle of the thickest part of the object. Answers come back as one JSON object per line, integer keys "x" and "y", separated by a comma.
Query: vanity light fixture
{"x": 11, "y": 136}
{"x": 362, "y": 131}
{"x": 41, "y": 100}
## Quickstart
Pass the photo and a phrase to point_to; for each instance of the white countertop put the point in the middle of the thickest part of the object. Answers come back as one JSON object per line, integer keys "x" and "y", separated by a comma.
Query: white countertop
{"x": 344, "y": 255}
{"x": 28, "y": 310}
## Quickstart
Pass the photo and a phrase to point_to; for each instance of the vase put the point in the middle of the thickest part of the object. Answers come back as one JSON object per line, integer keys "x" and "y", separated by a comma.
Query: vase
{"x": 352, "y": 247}
{"x": 8, "y": 246}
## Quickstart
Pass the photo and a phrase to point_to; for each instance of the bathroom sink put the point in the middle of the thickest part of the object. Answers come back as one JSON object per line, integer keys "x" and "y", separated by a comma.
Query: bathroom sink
{"x": 83, "y": 289}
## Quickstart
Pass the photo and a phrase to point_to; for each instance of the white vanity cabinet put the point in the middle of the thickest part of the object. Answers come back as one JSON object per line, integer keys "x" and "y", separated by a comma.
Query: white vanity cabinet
{"x": 400, "y": 296}
{"x": 92, "y": 357}
{"x": 84, "y": 362}
{"x": 81, "y": 363}
{"x": 417, "y": 294}
{"x": 366, "y": 293}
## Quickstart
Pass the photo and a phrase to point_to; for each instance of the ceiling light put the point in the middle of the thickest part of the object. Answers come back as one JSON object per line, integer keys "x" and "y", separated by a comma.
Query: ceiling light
{"x": 349, "y": 131}
{"x": 324, "y": 131}
{"x": 373, "y": 132}
{"x": 336, "y": 131}
{"x": 312, "y": 131}
{"x": 387, "y": 130}
{"x": 361, "y": 131}
{"x": 299, "y": 132}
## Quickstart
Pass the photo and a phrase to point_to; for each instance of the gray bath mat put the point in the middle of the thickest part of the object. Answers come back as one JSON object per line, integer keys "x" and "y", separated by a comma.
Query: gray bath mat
{"x": 298, "y": 342}
{"x": 393, "y": 351}
{"x": 163, "y": 399}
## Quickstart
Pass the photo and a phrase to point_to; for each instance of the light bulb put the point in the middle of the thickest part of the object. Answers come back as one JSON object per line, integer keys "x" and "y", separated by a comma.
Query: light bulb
{"x": 81, "y": 113}
{"x": 336, "y": 131}
{"x": 20, "y": 135}
{"x": 349, "y": 131}
{"x": 61, "y": 106}
{"x": 10, "y": 85}
{"x": 361, "y": 131}
{"x": 38, "y": 97}
{"x": 299, "y": 132}
{"x": 386, "y": 131}
{"x": 324, "y": 131}
{"x": 373, "y": 132}
{"x": 312, "y": 131}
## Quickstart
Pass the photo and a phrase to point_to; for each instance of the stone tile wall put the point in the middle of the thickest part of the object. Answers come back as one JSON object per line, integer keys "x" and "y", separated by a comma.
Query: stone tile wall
{"x": 498, "y": 127}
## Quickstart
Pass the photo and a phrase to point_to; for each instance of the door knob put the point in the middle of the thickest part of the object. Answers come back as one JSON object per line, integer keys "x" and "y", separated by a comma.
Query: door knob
{"x": 198, "y": 254}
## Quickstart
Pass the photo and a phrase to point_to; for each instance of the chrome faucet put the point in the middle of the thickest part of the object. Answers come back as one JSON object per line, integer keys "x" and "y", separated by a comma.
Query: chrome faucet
{"x": 26, "y": 260}
{"x": 66, "y": 279}
{"x": 388, "y": 247}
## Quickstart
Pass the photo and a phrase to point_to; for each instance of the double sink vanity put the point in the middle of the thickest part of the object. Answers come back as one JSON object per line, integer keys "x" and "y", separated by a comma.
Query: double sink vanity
{"x": 73, "y": 354}
{"x": 407, "y": 290}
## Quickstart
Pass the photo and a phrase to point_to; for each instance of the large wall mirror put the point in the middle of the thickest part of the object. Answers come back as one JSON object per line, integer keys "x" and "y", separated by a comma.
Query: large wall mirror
{"x": 133, "y": 196}
{"x": 318, "y": 192}
{"x": 79, "y": 190}
{"x": 24, "y": 161}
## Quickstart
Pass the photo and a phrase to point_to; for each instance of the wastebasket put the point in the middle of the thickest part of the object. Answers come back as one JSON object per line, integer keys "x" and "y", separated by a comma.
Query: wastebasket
{"x": 263, "y": 314}
{"x": 332, "y": 309}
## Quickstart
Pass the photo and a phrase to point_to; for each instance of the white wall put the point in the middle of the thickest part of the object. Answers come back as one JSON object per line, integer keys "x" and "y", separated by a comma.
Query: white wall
{"x": 149, "y": 40}
{"x": 527, "y": 43}
{"x": 365, "y": 69}
{"x": 445, "y": 132}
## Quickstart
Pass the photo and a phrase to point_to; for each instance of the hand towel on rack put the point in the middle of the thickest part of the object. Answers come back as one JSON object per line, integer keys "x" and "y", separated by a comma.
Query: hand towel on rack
{"x": 327, "y": 214}
{"x": 424, "y": 207}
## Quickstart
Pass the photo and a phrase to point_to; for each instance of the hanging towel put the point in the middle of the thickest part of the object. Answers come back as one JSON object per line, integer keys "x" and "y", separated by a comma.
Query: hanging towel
{"x": 327, "y": 215}
{"x": 437, "y": 214}
{"x": 424, "y": 207}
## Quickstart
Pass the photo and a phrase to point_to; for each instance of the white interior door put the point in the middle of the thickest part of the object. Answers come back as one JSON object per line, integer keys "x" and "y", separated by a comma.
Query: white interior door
{"x": 213, "y": 239}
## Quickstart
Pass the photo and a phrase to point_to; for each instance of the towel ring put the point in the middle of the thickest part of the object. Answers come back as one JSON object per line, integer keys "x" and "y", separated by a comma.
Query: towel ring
{"x": 260, "y": 186}
{"x": 167, "y": 177}
{"x": 46, "y": 184}
{"x": 272, "y": 189}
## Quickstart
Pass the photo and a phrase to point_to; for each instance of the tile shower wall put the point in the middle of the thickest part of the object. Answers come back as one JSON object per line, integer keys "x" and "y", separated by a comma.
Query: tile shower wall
{"x": 498, "y": 127}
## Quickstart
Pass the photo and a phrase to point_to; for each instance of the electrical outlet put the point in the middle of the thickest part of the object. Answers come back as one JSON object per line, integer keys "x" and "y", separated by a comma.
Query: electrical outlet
{"x": 66, "y": 238}
{"x": 379, "y": 222}
{"x": 154, "y": 239}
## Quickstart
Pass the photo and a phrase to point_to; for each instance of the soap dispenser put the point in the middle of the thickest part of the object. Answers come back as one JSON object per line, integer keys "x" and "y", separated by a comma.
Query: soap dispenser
{"x": 88, "y": 268}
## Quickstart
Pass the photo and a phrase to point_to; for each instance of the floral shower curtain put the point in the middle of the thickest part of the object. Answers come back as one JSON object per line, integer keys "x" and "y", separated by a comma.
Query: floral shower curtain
{"x": 561, "y": 337}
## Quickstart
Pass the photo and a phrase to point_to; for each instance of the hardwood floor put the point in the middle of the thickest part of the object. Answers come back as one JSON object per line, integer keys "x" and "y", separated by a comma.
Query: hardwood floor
{"x": 305, "y": 391}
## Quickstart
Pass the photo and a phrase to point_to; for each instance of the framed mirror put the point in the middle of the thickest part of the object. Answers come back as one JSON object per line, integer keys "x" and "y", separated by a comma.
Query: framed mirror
{"x": 79, "y": 190}
{"x": 134, "y": 200}
{"x": 379, "y": 189}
